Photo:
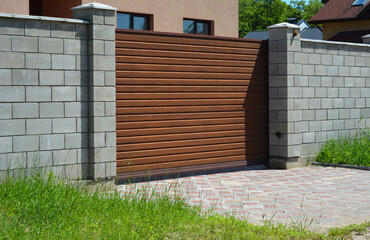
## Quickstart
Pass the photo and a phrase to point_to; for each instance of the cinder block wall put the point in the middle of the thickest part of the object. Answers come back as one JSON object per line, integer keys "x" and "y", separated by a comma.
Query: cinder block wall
{"x": 319, "y": 90}
{"x": 45, "y": 102}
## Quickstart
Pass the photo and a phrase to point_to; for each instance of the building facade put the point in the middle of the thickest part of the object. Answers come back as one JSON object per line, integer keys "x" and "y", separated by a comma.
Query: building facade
{"x": 211, "y": 17}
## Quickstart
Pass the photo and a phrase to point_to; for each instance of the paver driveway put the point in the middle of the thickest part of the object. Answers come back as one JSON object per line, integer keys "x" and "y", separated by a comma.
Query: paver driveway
{"x": 330, "y": 196}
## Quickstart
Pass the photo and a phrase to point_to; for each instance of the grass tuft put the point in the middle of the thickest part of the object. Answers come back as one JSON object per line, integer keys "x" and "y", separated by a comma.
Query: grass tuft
{"x": 347, "y": 150}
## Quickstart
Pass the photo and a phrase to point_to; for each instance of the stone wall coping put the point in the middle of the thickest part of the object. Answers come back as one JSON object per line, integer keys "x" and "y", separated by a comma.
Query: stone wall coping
{"x": 336, "y": 43}
{"x": 40, "y": 18}
{"x": 283, "y": 25}
{"x": 94, "y": 5}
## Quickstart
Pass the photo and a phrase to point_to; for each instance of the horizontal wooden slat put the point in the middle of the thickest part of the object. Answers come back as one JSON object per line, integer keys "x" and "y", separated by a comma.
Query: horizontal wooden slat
{"x": 199, "y": 55}
{"x": 191, "y": 82}
{"x": 184, "y": 61}
{"x": 178, "y": 102}
{"x": 156, "y": 74}
{"x": 181, "y": 143}
{"x": 194, "y": 89}
{"x": 185, "y": 68}
{"x": 177, "y": 130}
{"x": 235, "y": 42}
{"x": 186, "y": 48}
{"x": 188, "y": 136}
{"x": 180, "y": 123}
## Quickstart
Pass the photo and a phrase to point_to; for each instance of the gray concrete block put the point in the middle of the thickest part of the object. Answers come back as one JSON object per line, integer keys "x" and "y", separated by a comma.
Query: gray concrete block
{"x": 349, "y": 82}
{"x": 343, "y": 92}
{"x": 81, "y": 31}
{"x": 10, "y": 161}
{"x": 76, "y": 109}
{"x": 294, "y": 115}
{"x": 109, "y": 18}
{"x": 320, "y": 48}
{"x": 338, "y": 81}
{"x": 63, "y": 62}
{"x": 12, "y": 26}
{"x": 83, "y": 156}
{"x": 333, "y": 92}
{"x": 5, "y": 43}
{"x": 76, "y": 78}
{"x": 333, "y": 114}
{"x": 326, "y": 103}
{"x": 320, "y": 92}
{"x": 25, "y": 77}
{"x": 349, "y": 123}
{"x": 64, "y": 125}
{"x": 51, "y": 77}
{"x": 12, "y": 94}
{"x": 5, "y": 110}
{"x": 64, "y": 93}
{"x": 12, "y": 60}
{"x": 12, "y": 127}
{"x": 38, "y": 61}
{"x": 355, "y": 113}
{"x": 320, "y": 70}
{"x": 333, "y": 70}
{"x": 51, "y": 45}
{"x": 110, "y": 48}
{"x": 343, "y": 113}
{"x": 360, "y": 103}
{"x": 5, "y": 77}
{"x": 365, "y": 92}
{"x": 314, "y": 58}
{"x": 320, "y": 136}
{"x": 338, "y": 60}
{"x": 38, "y": 94}
{"x": 107, "y": 154}
{"x": 110, "y": 139}
{"x": 51, "y": 110}
{"x": 103, "y": 32}
{"x": 97, "y": 170}
{"x": 82, "y": 62}
{"x": 338, "y": 124}
{"x": 37, "y": 28}
{"x": 309, "y": 92}
{"x": 301, "y": 126}
{"x": 52, "y": 142}
{"x": 314, "y": 81}
{"x": 314, "y": 126}
{"x": 73, "y": 171}
{"x": 75, "y": 46}
{"x": 98, "y": 110}
{"x": 360, "y": 82}
{"x": 77, "y": 140}
{"x": 97, "y": 46}
{"x": 25, "y": 110}
{"x": 355, "y": 71}
{"x": 365, "y": 72}
{"x": 97, "y": 140}
{"x": 343, "y": 71}
{"x": 308, "y": 137}
{"x": 355, "y": 92}
{"x": 26, "y": 143}
{"x": 25, "y": 44}
{"x": 110, "y": 109}
{"x": 104, "y": 63}
{"x": 103, "y": 124}
{"x": 277, "y": 104}
{"x": 104, "y": 94}
{"x": 314, "y": 103}
{"x": 63, "y": 30}
{"x": 63, "y": 157}
{"x": 326, "y": 125}
{"x": 349, "y": 102}
{"x": 6, "y": 145}
{"x": 111, "y": 169}
{"x": 326, "y": 59}
{"x": 300, "y": 104}
{"x": 82, "y": 124}
{"x": 39, "y": 159}
{"x": 82, "y": 94}
{"x": 349, "y": 61}
{"x": 360, "y": 61}
{"x": 321, "y": 114}
{"x": 308, "y": 70}
{"x": 38, "y": 126}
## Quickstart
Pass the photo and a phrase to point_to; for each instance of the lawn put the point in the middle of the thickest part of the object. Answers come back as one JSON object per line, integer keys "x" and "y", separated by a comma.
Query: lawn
{"x": 47, "y": 208}
{"x": 347, "y": 150}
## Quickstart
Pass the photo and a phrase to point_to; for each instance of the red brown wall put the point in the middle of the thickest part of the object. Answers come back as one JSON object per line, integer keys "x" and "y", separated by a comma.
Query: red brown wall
{"x": 57, "y": 8}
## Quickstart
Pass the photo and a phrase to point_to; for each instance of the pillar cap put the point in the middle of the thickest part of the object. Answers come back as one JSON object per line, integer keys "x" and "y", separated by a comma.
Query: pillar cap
{"x": 283, "y": 25}
{"x": 366, "y": 36}
{"x": 94, "y": 5}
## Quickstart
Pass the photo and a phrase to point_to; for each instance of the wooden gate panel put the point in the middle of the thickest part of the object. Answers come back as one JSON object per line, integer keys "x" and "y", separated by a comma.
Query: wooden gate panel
{"x": 189, "y": 103}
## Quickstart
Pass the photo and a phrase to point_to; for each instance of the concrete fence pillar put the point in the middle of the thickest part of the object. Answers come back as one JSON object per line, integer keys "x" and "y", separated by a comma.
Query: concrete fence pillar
{"x": 366, "y": 39}
{"x": 102, "y": 101}
{"x": 284, "y": 71}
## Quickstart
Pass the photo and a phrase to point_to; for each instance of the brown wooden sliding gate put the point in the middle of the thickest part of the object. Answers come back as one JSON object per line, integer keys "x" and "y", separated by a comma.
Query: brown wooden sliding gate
{"x": 188, "y": 103}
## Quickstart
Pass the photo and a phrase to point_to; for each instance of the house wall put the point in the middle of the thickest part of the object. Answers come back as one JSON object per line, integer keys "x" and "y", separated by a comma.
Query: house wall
{"x": 169, "y": 14}
{"x": 333, "y": 28}
{"x": 57, "y": 8}
{"x": 21, "y": 7}
{"x": 57, "y": 95}
{"x": 319, "y": 90}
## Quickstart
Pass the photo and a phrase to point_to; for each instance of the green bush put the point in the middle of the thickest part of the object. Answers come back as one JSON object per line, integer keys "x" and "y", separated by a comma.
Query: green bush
{"x": 347, "y": 150}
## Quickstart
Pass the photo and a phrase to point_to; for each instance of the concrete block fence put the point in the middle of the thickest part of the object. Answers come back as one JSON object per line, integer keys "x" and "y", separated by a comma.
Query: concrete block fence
{"x": 318, "y": 90}
{"x": 57, "y": 93}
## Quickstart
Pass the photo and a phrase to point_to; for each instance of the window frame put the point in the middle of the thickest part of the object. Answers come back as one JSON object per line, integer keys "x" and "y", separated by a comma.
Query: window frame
{"x": 196, "y": 21}
{"x": 148, "y": 17}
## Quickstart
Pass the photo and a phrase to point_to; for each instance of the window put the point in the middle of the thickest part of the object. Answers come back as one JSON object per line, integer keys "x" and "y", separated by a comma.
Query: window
{"x": 133, "y": 21}
{"x": 197, "y": 26}
{"x": 359, "y": 2}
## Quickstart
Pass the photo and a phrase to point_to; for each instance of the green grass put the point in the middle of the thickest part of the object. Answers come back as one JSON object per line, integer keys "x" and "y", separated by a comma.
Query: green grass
{"x": 342, "y": 233}
{"x": 47, "y": 208}
{"x": 347, "y": 150}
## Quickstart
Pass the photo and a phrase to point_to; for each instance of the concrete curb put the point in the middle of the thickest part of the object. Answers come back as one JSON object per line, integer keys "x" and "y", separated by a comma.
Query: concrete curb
{"x": 341, "y": 165}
